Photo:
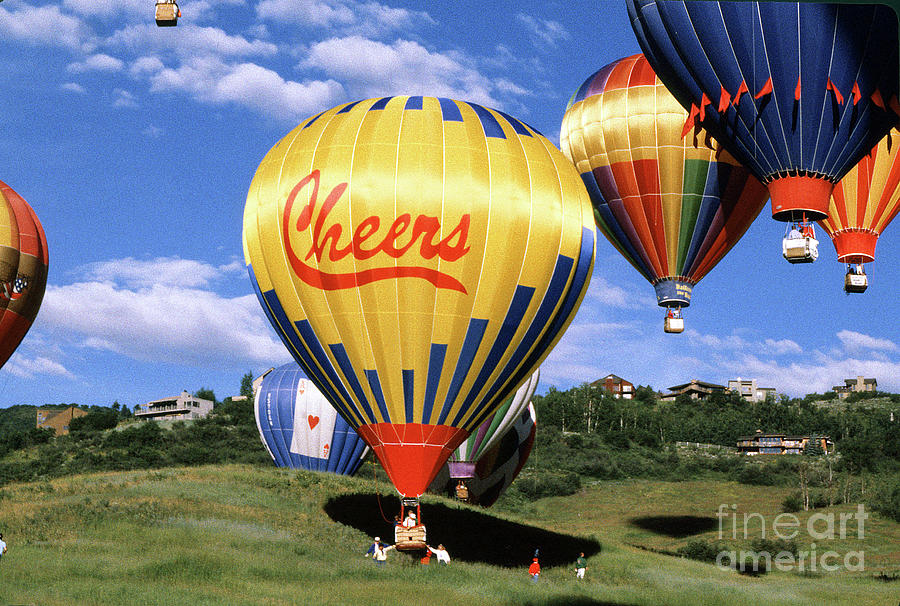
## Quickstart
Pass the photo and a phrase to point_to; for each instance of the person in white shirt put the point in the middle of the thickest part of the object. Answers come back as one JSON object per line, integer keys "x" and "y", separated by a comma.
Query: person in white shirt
{"x": 443, "y": 557}
{"x": 2, "y": 546}
{"x": 410, "y": 520}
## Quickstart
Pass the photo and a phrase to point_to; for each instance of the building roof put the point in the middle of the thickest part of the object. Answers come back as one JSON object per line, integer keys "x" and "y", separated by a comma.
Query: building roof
{"x": 696, "y": 383}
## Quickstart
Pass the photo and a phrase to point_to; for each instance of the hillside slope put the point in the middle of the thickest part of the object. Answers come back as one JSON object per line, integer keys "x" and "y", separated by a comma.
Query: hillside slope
{"x": 242, "y": 534}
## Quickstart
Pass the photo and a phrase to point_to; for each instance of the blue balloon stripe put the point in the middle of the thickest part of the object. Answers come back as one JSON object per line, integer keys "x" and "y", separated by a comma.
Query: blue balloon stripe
{"x": 554, "y": 294}
{"x": 310, "y": 123}
{"x": 319, "y": 360}
{"x": 409, "y": 387}
{"x": 340, "y": 354}
{"x": 511, "y": 322}
{"x": 377, "y": 393}
{"x": 489, "y": 123}
{"x": 279, "y": 320}
{"x": 580, "y": 278}
{"x": 380, "y": 104}
{"x": 517, "y": 125}
{"x": 435, "y": 367}
{"x": 414, "y": 103}
{"x": 347, "y": 108}
{"x": 471, "y": 343}
{"x": 449, "y": 110}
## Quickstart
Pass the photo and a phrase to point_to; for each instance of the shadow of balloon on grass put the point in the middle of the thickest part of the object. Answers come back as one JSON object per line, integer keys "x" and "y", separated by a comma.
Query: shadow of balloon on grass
{"x": 677, "y": 527}
{"x": 468, "y": 534}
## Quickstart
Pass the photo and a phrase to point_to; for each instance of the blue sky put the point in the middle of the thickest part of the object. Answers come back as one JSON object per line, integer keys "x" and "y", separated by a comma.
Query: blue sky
{"x": 136, "y": 145}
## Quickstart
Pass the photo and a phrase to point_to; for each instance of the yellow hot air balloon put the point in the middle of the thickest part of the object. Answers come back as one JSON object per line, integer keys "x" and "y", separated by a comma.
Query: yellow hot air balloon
{"x": 862, "y": 205}
{"x": 419, "y": 257}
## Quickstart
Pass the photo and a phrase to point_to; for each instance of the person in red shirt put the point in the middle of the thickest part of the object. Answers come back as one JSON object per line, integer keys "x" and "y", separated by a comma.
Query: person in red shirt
{"x": 534, "y": 570}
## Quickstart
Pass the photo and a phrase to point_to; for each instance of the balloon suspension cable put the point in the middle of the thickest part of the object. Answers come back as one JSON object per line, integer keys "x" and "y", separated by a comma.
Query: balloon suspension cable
{"x": 378, "y": 492}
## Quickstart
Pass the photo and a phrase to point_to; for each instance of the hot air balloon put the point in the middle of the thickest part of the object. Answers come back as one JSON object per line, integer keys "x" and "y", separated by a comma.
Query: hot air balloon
{"x": 23, "y": 269}
{"x": 300, "y": 429}
{"x": 419, "y": 257}
{"x": 797, "y": 92}
{"x": 863, "y": 203}
{"x": 462, "y": 462}
{"x": 498, "y": 466}
{"x": 672, "y": 204}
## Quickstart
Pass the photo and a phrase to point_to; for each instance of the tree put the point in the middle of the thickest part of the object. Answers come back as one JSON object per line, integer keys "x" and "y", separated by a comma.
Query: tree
{"x": 247, "y": 385}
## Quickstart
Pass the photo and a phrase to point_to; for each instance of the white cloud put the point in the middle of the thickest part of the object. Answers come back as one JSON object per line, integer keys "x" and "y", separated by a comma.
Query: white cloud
{"x": 346, "y": 16}
{"x": 160, "y": 311}
{"x": 109, "y": 8}
{"x": 162, "y": 271}
{"x": 543, "y": 31}
{"x": 43, "y": 25}
{"x": 124, "y": 99}
{"x": 26, "y": 368}
{"x": 855, "y": 341}
{"x": 191, "y": 41}
{"x": 370, "y": 69}
{"x": 783, "y": 346}
{"x": 212, "y": 81}
{"x": 98, "y": 62}
{"x": 73, "y": 87}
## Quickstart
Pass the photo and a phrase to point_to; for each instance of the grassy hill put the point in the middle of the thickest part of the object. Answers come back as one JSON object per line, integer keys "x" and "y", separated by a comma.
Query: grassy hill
{"x": 247, "y": 534}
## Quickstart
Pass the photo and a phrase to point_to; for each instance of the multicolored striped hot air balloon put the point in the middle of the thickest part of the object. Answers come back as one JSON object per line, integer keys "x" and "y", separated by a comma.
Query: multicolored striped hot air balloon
{"x": 299, "y": 427}
{"x": 798, "y": 92}
{"x": 23, "y": 269}
{"x": 673, "y": 203}
{"x": 492, "y": 430}
{"x": 419, "y": 257}
{"x": 498, "y": 466}
{"x": 862, "y": 205}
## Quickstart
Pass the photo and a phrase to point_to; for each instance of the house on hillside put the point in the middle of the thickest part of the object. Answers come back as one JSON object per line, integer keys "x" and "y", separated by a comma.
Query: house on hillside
{"x": 779, "y": 443}
{"x": 615, "y": 385}
{"x": 185, "y": 406}
{"x": 859, "y": 384}
{"x": 696, "y": 390}
{"x": 749, "y": 390}
{"x": 58, "y": 420}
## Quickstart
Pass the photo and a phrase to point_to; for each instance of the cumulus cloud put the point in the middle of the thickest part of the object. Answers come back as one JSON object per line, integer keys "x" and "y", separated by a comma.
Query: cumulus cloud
{"x": 27, "y": 368}
{"x": 370, "y": 68}
{"x": 855, "y": 341}
{"x": 123, "y": 98}
{"x": 210, "y": 80}
{"x": 73, "y": 87}
{"x": 44, "y": 25}
{"x": 109, "y": 8}
{"x": 191, "y": 41}
{"x": 99, "y": 62}
{"x": 160, "y": 311}
{"x": 346, "y": 16}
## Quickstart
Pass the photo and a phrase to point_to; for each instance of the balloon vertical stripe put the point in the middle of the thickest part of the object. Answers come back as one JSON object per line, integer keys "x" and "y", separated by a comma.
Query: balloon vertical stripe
{"x": 470, "y": 347}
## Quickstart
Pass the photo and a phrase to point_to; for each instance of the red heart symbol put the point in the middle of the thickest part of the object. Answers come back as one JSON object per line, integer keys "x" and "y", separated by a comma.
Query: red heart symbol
{"x": 313, "y": 421}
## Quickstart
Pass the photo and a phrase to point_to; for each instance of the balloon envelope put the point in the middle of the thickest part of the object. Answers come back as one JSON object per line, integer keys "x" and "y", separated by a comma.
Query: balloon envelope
{"x": 864, "y": 202}
{"x": 419, "y": 258}
{"x": 672, "y": 205}
{"x": 492, "y": 430}
{"x": 497, "y": 467}
{"x": 300, "y": 429}
{"x": 23, "y": 269}
{"x": 798, "y": 92}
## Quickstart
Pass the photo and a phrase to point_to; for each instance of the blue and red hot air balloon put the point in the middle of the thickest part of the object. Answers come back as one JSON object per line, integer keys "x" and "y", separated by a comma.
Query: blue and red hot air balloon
{"x": 798, "y": 92}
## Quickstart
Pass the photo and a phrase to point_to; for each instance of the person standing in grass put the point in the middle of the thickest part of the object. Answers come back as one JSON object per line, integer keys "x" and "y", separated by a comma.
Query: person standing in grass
{"x": 2, "y": 546}
{"x": 378, "y": 551}
{"x": 534, "y": 570}
{"x": 442, "y": 555}
{"x": 580, "y": 566}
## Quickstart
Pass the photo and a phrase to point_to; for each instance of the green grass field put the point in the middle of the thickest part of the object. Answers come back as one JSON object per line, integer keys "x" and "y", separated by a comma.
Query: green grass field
{"x": 249, "y": 535}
